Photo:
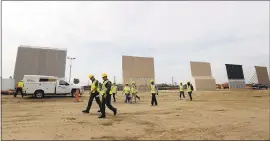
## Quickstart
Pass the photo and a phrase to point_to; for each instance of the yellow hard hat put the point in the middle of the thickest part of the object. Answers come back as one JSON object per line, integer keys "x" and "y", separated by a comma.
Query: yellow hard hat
{"x": 133, "y": 82}
{"x": 151, "y": 80}
{"x": 104, "y": 74}
{"x": 90, "y": 75}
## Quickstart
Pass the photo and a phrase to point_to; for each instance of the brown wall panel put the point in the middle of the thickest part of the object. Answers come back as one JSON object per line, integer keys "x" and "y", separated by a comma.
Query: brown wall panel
{"x": 205, "y": 83}
{"x": 139, "y": 70}
{"x": 262, "y": 75}
{"x": 202, "y": 76}
{"x": 200, "y": 69}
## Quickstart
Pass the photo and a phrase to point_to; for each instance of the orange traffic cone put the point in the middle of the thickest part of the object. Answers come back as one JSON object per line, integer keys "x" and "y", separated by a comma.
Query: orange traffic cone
{"x": 77, "y": 96}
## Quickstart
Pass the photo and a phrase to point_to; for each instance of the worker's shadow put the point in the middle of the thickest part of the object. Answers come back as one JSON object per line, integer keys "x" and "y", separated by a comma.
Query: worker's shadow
{"x": 52, "y": 97}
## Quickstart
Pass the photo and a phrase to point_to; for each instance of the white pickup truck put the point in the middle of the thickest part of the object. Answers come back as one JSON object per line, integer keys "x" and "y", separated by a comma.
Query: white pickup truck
{"x": 39, "y": 86}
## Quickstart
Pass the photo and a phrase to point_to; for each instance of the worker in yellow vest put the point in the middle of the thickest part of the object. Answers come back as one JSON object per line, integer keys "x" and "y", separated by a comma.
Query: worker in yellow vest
{"x": 154, "y": 92}
{"x": 189, "y": 90}
{"x": 136, "y": 91}
{"x": 114, "y": 91}
{"x": 19, "y": 88}
{"x": 94, "y": 94}
{"x": 126, "y": 91}
{"x": 106, "y": 93}
{"x": 181, "y": 89}
{"x": 133, "y": 92}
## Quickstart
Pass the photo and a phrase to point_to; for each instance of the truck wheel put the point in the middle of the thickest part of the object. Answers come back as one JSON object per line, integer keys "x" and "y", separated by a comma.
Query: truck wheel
{"x": 39, "y": 94}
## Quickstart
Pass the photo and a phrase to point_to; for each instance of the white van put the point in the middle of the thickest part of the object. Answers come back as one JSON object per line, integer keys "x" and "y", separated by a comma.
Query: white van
{"x": 39, "y": 86}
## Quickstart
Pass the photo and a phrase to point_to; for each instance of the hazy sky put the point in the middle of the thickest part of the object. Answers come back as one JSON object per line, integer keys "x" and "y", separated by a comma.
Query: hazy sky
{"x": 174, "y": 33}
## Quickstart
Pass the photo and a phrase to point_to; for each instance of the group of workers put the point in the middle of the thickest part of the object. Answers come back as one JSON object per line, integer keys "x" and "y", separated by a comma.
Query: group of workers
{"x": 105, "y": 91}
{"x": 131, "y": 93}
{"x": 189, "y": 90}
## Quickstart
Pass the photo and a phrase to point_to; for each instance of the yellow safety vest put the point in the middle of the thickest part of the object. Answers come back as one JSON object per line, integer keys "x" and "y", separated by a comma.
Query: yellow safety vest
{"x": 153, "y": 89}
{"x": 181, "y": 88}
{"x": 133, "y": 89}
{"x": 126, "y": 90}
{"x": 114, "y": 89}
{"x": 20, "y": 85}
{"x": 93, "y": 86}
{"x": 189, "y": 89}
{"x": 104, "y": 89}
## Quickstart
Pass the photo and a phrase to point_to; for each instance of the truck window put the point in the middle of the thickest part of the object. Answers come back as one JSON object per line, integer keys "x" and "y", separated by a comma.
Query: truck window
{"x": 43, "y": 80}
{"x": 62, "y": 82}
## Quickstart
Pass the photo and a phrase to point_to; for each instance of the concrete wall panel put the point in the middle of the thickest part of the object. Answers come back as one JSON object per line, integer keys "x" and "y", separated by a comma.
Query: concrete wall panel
{"x": 139, "y": 70}
{"x": 39, "y": 61}
{"x": 204, "y": 83}
{"x": 262, "y": 75}
{"x": 200, "y": 69}
{"x": 202, "y": 76}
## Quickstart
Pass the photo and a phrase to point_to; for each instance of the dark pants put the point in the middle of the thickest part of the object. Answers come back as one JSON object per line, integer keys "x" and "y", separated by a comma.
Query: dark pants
{"x": 90, "y": 101}
{"x": 114, "y": 97}
{"x": 17, "y": 91}
{"x": 154, "y": 99}
{"x": 182, "y": 93}
{"x": 106, "y": 101}
{"x": 127, "y": 98}
{"x": 190, "y": 95}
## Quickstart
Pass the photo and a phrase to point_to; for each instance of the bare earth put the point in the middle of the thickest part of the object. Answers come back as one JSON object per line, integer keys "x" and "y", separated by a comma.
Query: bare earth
{"x": 220, "y": 115}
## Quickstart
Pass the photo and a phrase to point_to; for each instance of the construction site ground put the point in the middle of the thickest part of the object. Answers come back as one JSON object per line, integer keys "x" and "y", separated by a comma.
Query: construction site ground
{"x": 224, "y": 114}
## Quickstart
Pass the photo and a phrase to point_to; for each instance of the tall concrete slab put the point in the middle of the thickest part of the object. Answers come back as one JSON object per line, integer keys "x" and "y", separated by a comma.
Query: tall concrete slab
{"x": 40, "y": 61}
{"x": 262, "y": 75}
{"x": 202, "y": 76}
{"x": 235, "y": 76}
{"x": 139, "y": 70}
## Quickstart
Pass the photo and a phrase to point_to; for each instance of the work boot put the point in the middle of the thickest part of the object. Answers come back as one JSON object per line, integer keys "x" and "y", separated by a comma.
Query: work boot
{"x": 85, "y": 111}
{"x": 99, "y": 111}
{"x": 102, "y": 116}
{"x": 115, "y": 111}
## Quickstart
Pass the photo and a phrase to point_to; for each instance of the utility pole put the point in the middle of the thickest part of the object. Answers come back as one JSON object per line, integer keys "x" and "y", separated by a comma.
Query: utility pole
{"x": 114, "y": 79}
{"x": 70, "y": 58}
{"x": 172, "y": 81}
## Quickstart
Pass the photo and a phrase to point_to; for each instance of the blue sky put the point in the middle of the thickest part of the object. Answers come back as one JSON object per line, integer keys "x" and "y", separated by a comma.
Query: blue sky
{"x": 174, "y": 33}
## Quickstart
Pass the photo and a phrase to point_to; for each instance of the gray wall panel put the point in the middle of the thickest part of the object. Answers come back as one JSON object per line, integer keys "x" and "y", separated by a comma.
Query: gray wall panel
{"x": 237, "y": 84}
{"x": 39, "y": 61}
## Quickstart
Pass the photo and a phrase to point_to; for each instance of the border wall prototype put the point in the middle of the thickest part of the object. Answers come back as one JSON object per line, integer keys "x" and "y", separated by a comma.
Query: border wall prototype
{"x": 235, "y": 76}
{"x": 40, "y": 61}
{"x": 262, "y": 75}
{"x": 138, "y": 69}
{"x": 202, "y": 76}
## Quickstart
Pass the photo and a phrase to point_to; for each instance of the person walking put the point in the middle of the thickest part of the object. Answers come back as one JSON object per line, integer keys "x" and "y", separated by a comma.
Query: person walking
{"x": 181, "y": 89}
{"x": 19, "y": 88}
{"x": 94, "y": 94}
{"x": 133, "y": 92}
{"x": 126, "y": 91}
{"x": 136, "y": 91}
{"x": 106, "y": 93}
{"x": 189, "y": 90}
{"x": 154, "y": 92}
{"x": 114, "y": 91}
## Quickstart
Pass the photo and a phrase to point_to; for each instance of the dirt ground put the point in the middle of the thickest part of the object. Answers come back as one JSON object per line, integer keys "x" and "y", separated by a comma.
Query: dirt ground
{"x": 220, "y": 115}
